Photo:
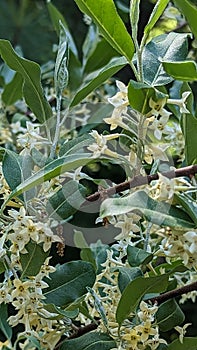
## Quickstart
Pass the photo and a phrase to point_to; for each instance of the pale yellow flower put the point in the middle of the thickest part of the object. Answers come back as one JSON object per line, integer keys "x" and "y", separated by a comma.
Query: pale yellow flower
{"x": 182, "y": 331}
{"x": 181, "y": 102}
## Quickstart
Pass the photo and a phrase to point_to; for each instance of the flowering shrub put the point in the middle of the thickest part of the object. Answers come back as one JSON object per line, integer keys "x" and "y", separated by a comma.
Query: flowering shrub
{"x": 137, "y": 238}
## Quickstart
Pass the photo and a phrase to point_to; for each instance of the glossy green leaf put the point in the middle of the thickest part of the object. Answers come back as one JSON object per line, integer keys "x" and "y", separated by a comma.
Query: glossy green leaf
{"x": 86, "y": 254}
{"x": 137, "y": 256}
{"x": 189, "y": 125}
{"x": 185, "y": 71}
{"x": 13, "y": 91}
{"x": 135, "y": 291}
{"x": 126, "y": 275}
{"x": 56, "y": 17}
{"x": 155, "y": 15}
{"x": 33, "y": 260}
{"x": 189, "y": 204}
{"x": 157, "y": 212}
{"x": 104, "y": 14}
{"x": 22, "y": 166}
{"x": 32, "y": 89}
{"x": 169, "y": 315}
{"x": 66, "y": 201}
{"x": 189, "y": 10}
{"x": 188, "y": 343}
{"x": 59, "y": 313}
{"x": 69, "y": 282}
{"x": 51, "y": 170}
{"x": 139, "y": 95}
{"x": 90, "y": 341}
{"x": 166, "y": 47}
{"x": 95, "y": 79}
{"x": 4, "y": 326}
{"x": 76, "y": 144}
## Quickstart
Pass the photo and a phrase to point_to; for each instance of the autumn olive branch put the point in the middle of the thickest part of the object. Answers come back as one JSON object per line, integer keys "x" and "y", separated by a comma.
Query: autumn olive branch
{"x": 140, "y": 180}
{"x": 173, "y": 293}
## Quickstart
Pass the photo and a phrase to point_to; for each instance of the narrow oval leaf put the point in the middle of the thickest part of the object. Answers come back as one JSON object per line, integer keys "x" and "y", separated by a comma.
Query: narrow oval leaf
{"x": 171, "y": 47}
{"x": 90, "y": 341}
{"x": 157, "y": 212}
{"x": 33, "y": 260}
{"x": 95, "y": 79}
{"x": 185, "y": 71}
{"x": 104, "y": 14}
{"x": 188, "y": 203}
{"x": 32, "y": 89}
{"x": 169, "y": 315}
{"x": 134, "y": 292}
{"x": 189, "y": 10}
{"x": 155, "y": 15}
{"x": 69, "y": 282}
{"x": 13, "y": 91}
{"x": 51, "y": 170}
{"x": 66, "y": 201}
{"x": 188, "y": 343}
{"x": 4, "y": 326}
{"x": 126, "y": 275}
{"x": 137, "y": 256}
{"x": 59, "y": 313}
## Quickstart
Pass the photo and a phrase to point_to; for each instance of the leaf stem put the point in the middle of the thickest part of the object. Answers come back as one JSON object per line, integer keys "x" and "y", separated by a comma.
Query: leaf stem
{"x": 57, "y": 128}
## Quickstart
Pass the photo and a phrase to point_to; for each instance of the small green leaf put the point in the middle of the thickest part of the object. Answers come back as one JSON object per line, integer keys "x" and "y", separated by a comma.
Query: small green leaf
{"x": 189, "y": 10}
{"x": 155, "y": 15}
{"x": 90, "y": 341}
{"x": 189, "y": 204}
{"x": 126, "y": 275}
{"x": 69, "y": 282}
{"x": 13, "y": 91}
{"x": 169, "y": 315}
{"x": 50, "y": 171}
{"x": 95, "y": 79}
{"x": 32, "y": 89}
{"x": 188, "y": 343}
{"x": 104, "y": 14}
{"x": 186, "y": 71}
{"x": 76, "y": 144}
{"x": 56, "y": 17}
{"x": 135, "y": 291}
{"x": 66, "y": 201}
{"x": 137, "y": 256}
{"x": 59, "y": 313}
{"x": 166, "y": 47}
{"x": 157, "y": 212}
{"x": 4, "y": 326}
{"x": 139, "y": 95}
{"x": 33, "y": 260}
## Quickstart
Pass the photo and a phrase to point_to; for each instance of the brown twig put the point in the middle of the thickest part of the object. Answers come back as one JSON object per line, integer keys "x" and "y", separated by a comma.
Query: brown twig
{"x": 140, "y": 180}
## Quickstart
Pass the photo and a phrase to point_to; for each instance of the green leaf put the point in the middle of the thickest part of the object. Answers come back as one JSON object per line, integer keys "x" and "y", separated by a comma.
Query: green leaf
{"x": 135, "y": 291}
{"x": 33, "y": 260}
{"x": 189, "y": 204}
{"x": 90, "y": 341}
{"x": 32, "y": 89}
{"x": 4, "y": 326}
{"x": 61, "y": 71}
{"x": 104, "y": 14}
{"x": 95, "y": 79}
{"x": 137, "y": 256}
{"x": 69, "y": 282}
{"x": 189, "y": 125}
{"x": 157, "y": 212}
{"x": 126, "y": 275}
{"x": 169, "y": 315}
{"x": 155, "y": 15}
{"x": 56, "y": 17}
{"x": 13, "y": 91}
{"x": 76, "y": 144}
{"x": 66, "y": 201}
{"x": 189, "y": 10}
{"x": 22, "y": 166}
{"x": 51, "y": 170}
{"x": 139, "y": 95}
{"x": 185, "y": 71}
{"x": 169, "y": 47}
{"x": 59, "y": 313}
{"x": 188, "y": 343}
